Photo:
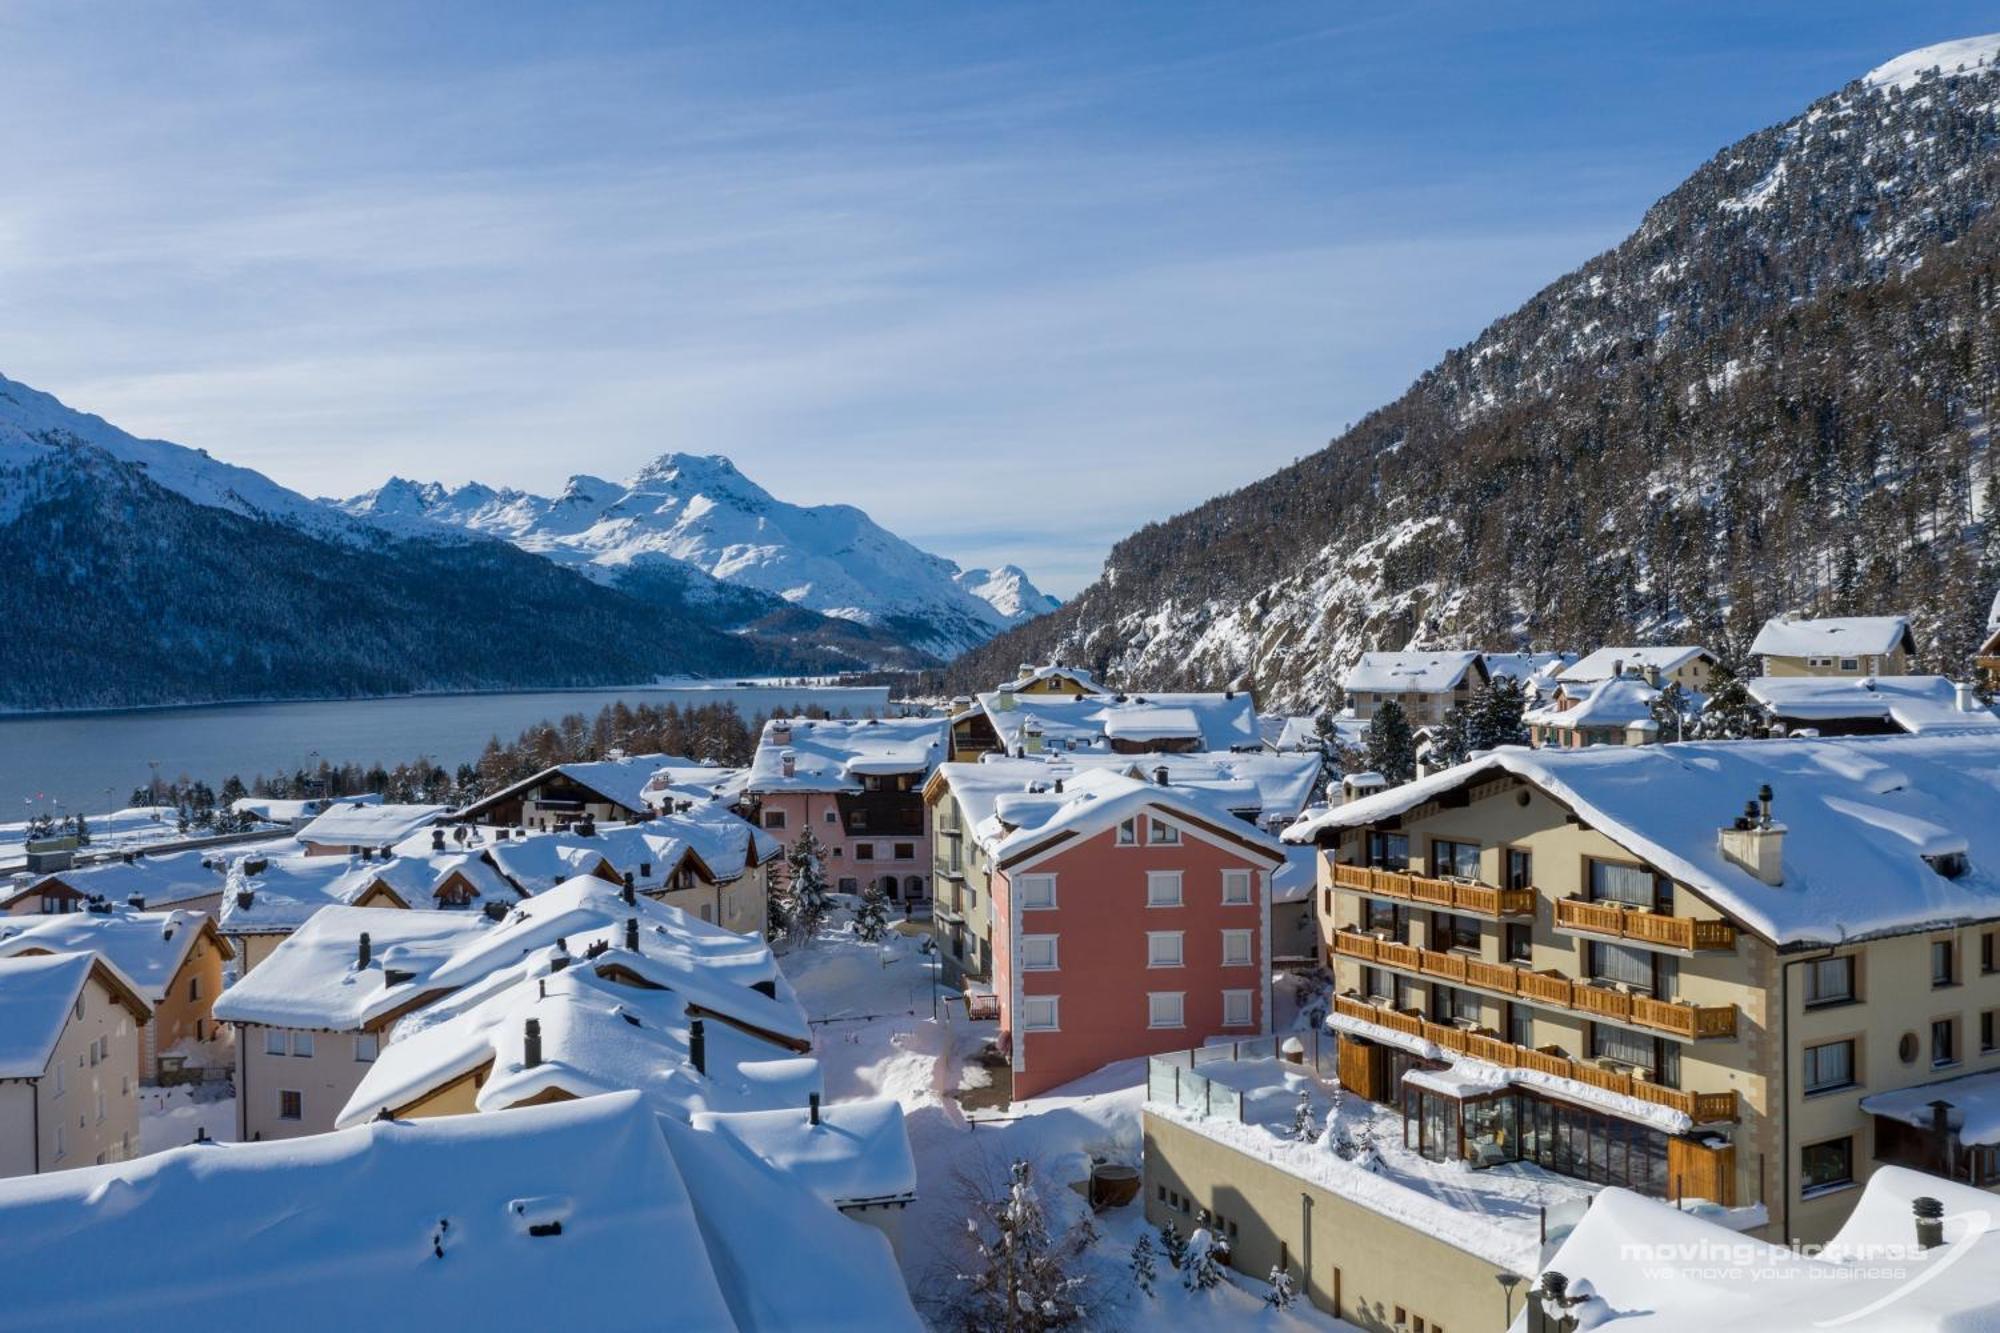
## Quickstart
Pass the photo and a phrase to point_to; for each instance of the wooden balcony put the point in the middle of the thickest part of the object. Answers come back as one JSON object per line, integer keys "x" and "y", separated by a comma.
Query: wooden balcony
{"x": 1678, "y": 1018}
{"x": 1619, "y": 921}
{"x": 1444, "y": 894}
{"x": 1703, "y": 1108}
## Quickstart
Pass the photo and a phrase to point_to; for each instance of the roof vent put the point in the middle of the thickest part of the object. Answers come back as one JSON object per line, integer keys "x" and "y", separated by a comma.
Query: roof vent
{"x": 245, "y": 899}
{"x": 531, "y": 1044}
{"x": 1160, "y": 775}
{"x": 363, "y": 952}
{"x": 698, "y": 1046}
{"x": 812, "y": 1108}
{"x": 632, "y": 934}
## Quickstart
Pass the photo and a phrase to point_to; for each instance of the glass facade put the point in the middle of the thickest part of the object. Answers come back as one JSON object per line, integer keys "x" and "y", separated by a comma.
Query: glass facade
{"x": 1519, "y": 1126}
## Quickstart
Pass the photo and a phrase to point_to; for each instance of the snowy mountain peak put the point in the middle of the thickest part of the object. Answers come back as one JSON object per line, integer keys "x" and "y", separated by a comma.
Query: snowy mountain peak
{"x": 1965, "y": 55}
{"x": 1008, "y": 590}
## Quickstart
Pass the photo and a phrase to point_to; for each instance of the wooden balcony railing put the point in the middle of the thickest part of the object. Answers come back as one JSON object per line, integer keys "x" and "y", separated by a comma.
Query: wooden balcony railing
{"x": 1445, "y": 894}
{"x": 1619, "y": 921}
{"x": 1702, "y": 1108}
{"x": 1692, "y": 1022}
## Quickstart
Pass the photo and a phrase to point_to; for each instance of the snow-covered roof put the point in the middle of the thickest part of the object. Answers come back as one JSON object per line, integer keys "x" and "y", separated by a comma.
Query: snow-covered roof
{"x": 1604, "y": 663}
{"x": 1974, "y": 1100}
{"x": 147, "y": 947}
{"x": 1917, "y": 704}
{"x": 597, "y": 1035}
{"x": 1862, "y": 815}
{"x": 696, "y": 782}
{"x": 37, "y": 993}
{"x": 315, "y": 979}
{"x": 1837, "y": 636}
{"x": 324, "y": 1231}
{"x": 859, "y": 1152}
{"x": 834, "y": 755}
{"x": 1020, "y": 821}
{"x": 1608, "y": 704}
{"x": 1524, "y": 667}
{"x": 1253, "y": 784}
{"x": 1217, "y": 721}
{"x": 173, "y": 877}
{"x": 1644, "y": 1264}
{"x": 279, "y": 810}
{"x": 1279, "y": 732}
{"x": 622, "y": 781}
{"x": 1056, "y": 671}
{"x": 284, "y": 891}
{"x": 1295, "y": 880}
{"x": 1409, "y": 672}
{"x": 368, "y": 823}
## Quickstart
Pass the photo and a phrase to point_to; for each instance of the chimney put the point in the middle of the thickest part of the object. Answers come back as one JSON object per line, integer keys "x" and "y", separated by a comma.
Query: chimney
{"x": 495, "y": 911}
{"x": 1755, "y": 841}
{"x": 368, "y": 853}
{"x": 1651, "y": 671}
{"x": 788, "y": 763}
{"x": 245, "y": 898}
{"x": 1930, "y": 1221}
{"x": 137, "y": 902}
{"x": 1357, "y": 785}
{"x": 1617, "y": 667}
{"x": 531, "y": 1044}
{"x": 1059, "y": 789}
{"x": 1968, "y": 699}
{"x": 698, "y": 1046}
{"x": 781, "y": 731}
{"x": 365, "y": 952}
{"x": 1160, "y": 775}
{"x": 812, "y": 1109}
{"x": 1024, "y": 670}
{"x": 437, "y": 839}
{"x": 1031, "y": 735}
{"x": 626, "y": 892}
{"x": 632, "y": 934}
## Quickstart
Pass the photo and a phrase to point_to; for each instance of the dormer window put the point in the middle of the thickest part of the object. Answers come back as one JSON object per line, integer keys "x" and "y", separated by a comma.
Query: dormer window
{"x": 1951, "y": 865}
{"x": 1128, "y": 832}
{"x": 1162, "y": 834}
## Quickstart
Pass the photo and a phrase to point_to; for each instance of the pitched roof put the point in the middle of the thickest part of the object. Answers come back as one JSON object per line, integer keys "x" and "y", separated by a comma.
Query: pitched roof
{"x": 315, "y": 979}
{"x": 1055, "y": 671}
{"x": 174, "y": 877}
{"x": 697, "y": 782}
{"x": 1023, "y": 822}
{"x": 37, "y": 994}
{"x": 1604, "y": 663}
{"x": 1835, "y": 636}
{"x": 1221, "y": 721}
{"x": 620, "y": 781}
{"x": 1409, "y": 672}
{"x": 1863, "y": 815}
{"x": 285, "y": 891}
{"x": 147, "y": 947}
{"x": 834, "y": 755}
{"x": 368, "y": 823}
{"x": 597, "y": 1035}
{"x": 1525, "y": 667}
{"x": 1256, "y": 784}
{"x": 859, "y": 1152}
{"x": 1607, "y": 704}
{"x": 1917, "y": 704}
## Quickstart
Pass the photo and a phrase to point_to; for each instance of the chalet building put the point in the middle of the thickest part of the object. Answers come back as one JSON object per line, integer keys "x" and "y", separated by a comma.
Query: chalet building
{"x": 1618, "y": 711}
{"x": 858, "y": 786}
{"x": 1424, "y": 684}
{"x": 1019, "y": 725}
{"x": 1840, "y": 646}
{"x": 1115, "y": 915}
{"x": 190, "y": 880}
{"x": 39, "y": 896}
{"x": 605, "y": 791}
{"x": 679, "y": 785}
{"x": 69, "y": 1063}
{"x": 597, "y": 1212}
{"x": 349, "y": 828}
{"x": 1870, "y": 705}
{"x": 1689, "y": 666}
{"x": 173, "y": 959}
{"x": 1723, "y": 971}
{"x": 269, "y": 897}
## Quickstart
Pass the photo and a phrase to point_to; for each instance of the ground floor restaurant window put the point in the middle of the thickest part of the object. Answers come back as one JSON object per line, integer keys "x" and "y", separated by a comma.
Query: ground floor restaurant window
{"x": 1517, "y": 1126}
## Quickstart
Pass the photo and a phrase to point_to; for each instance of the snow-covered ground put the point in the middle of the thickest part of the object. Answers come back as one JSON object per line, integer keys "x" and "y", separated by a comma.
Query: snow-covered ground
{"x": 871, "y": 1011}
{"x": 121, "y": 830}
{"x": 170, "y": 1117}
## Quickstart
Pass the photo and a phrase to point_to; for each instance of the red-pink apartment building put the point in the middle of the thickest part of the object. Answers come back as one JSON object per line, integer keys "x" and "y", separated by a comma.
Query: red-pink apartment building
{"x": 1128, "y": 918}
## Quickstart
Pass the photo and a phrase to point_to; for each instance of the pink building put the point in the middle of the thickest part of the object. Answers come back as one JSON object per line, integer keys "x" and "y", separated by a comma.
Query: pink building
{"x": 858, "y": 785}
{"x": 1128, "y": 918}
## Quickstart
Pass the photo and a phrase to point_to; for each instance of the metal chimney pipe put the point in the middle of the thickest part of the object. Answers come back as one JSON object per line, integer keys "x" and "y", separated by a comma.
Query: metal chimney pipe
{"x": 812, "y": 1109}
{"x": 531, "y": 1044}
{"x": 698, "y": 1046}
{"x": 632, "y": 933}
{"x": 1930, "y": 1222}
{"x": 364, "y": 952}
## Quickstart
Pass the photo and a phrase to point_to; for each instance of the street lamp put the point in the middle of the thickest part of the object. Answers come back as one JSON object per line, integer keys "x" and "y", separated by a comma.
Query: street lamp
{"x": 1508, "y": 1281}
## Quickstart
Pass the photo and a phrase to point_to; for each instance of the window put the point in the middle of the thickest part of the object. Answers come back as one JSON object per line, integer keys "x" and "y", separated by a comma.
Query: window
{"x": 1944, "y": 970}
{"x": 1128, "y": 832}
{"x": 194, "y": 988}
{"x": 1373, "y": 983}
{"x": 58, "y": 1066}
{"x": 1458, "y": 859}
{"x": 1236, "y": 948}
{"x": 1236, "y": 1009}
{"x": 367, "y": 1045}
{"x": 1160, "y": 833}
{"x": 291, "y": 1105}
{"x": 1380, "y": 914}
{"x": 849, "y": 884}
{"x": 860, "y": 819}
{"x": 1520, "y": 942}
{"x": 1944, "y": 1042}
{"x": 1389, "y": 851}
{"x": 864, "y": 851}
{"x": 1628, "y": 966}
{"x": 1039, "y": 1013}
{"x": 1165, "y": 1009}
{"x": 1038, "y": 953}
{"x": 1986, "y": 952}
{"x": 62, "y": 1143}
{"x": 1520, "y": 869}
{"x": 1986, "y": 1031}
{"x": 1830, "y": 981}
{"x": 1824, "y": 1166}
{"x": 100, "y": 1106}
{"x": 906, "y": 851}
{"x": 1829, "y": 1066}
{"x": 774, "y": 819}
{"x": 1635, "y": 886}
{"x": 1163, "y": 948}
{"x": 1163, "y": 888}
{"x": 1521, "y": 1025}
{"x": 1037, "y": 890}
{"x": 1850, "y": 664}
{"x": 1235, "y": 887}
{"x": 302, "y": 1043}
{"x": 1449, "y": 1004}
{"x": 1449, "y": 931}
{"x": 274, "y": 1041}
{"x": 77, "y": 1008}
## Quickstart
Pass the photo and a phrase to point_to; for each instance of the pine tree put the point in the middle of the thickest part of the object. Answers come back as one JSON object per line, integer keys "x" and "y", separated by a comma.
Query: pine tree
{"x": 1144, "y": 1275}
{"x": 871, "y": 919}
{"x": 777, "y": 916}
{"x": 1391, "y": 749}
{"x": 1496, "y": 715}
{"x": 1283, "y": 1290}
{"x": 82, "y": 831}
{"x": 1672, "y": 712}
{"x": 1731, "y": 714}
{"x": 1023, "y": 1284}
{"x": 1451, "y": 742}
{"x": 1302, "y": 1118}
{"x": 805, "y": 889}
{"x": 1172, "y": 1244}
{"x": 1201, "y": 1271}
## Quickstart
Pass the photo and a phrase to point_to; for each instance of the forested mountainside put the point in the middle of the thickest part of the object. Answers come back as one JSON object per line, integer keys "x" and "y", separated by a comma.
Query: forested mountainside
{"x": 120, "y": 592}
{"x": 1774, "y": 394}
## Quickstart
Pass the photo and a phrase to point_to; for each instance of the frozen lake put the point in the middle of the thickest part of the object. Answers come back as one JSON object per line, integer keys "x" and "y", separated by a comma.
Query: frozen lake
{"x": 92, "y": 761}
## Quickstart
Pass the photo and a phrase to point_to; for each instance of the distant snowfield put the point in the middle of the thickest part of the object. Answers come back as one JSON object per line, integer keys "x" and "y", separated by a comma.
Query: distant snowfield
{"x": 1946, "y": 57}
{"x": 874, "y": 1037}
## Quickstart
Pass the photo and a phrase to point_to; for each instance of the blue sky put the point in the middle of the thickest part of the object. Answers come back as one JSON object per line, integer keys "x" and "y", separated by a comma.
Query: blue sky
{"x": 1014, "y": 278}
